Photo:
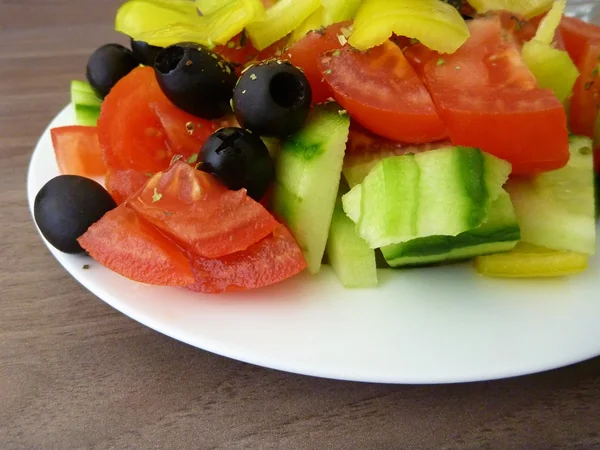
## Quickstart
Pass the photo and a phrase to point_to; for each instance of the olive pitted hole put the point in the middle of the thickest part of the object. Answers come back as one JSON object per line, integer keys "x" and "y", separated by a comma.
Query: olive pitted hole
{"x": 167, "y": 62}
{"x": 286, "y": 90}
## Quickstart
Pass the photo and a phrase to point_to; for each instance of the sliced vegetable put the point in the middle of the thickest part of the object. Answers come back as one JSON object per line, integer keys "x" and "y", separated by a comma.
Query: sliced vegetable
{"x": 130, "y": 246}
{"x": 585, "y": 104}
{"x": 436, "y": 24}
{"x": 312, "y": 22}
{"x": 335, "y": 11}
{"x": 200, "y": 214}
{"x": 280, "y": 20}
{"x": 207, "y": 7}
{"x": 123, "y": 183}
{"x": 382, "y": 92}
{"x": 349, "y": 255}
{"x": 526, "y": 8}
{"x": 307, "y": 177}
{"x": 269, "y": 261}
{"x": 576, "y": 34}
{"x": 78, "y": 151}
{"x": 530, "y": 261}
{"x": 546, "y": 31}
{"x": 86, "y": 103}
{"x": 556, "y": 209}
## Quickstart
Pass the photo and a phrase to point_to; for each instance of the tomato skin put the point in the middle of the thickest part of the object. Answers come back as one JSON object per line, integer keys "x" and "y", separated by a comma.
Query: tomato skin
{"x": 140, "y": 129}
{"x": 200, "y": 214}
{"x": 269, "y": 261}
{"x": 576, "y": 34}
{"x": 489, "y": 99}
{"x": 122, "y": 184}
{"x": 78, "y": 151}
{"x": 306, "y": 54}
{"x": 129, "y": 246}
{"x": 382, "y": 92}
{"x": 585, "y": 104}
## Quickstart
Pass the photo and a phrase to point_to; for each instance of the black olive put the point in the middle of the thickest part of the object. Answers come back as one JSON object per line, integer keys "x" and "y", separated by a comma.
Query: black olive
{"x": 196, "y": 80}
{"x": 108, "y": 65}
{"x": 144, "y": 53}
{"x": 66, "y": 207}
{"x": 272, "y": 99}
{"x": 240, "y": 159}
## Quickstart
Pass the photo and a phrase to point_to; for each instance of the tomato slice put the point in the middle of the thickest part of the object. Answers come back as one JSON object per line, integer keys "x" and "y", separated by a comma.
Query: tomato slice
{"x": 271, "y": 260}
{"x": 122, "y": 184}
{"x": 307, "y": 52}
{"x": 201, "y": 214}
{"x": 585, "y": 104}
{"x": 576, "y": 34}
{"x": 129, "y": 246}
{"x": 238, "y": 50}
{"x": 489, "y": 99}
{"x": 140, "y": 129}
{"x": 78, "y": 151}
{"x": 382, "y": 92}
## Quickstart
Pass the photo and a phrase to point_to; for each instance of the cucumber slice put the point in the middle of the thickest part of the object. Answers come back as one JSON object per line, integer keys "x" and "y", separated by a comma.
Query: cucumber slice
{"x": 86, "y": 103}
{"x": 556, "y": 209}
{"x": 349, "y": 255}
{"x": 437, "y": 193}
{"x": 500, "y": 233}
{"x": 307, "y": 178}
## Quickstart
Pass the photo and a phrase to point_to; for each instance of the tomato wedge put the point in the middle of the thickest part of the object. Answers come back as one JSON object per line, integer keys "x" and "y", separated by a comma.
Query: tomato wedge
{"x": 382, "y": 92}
{"x": 576, "y": 34}
{"x": 78, "y": 151}
{"x": 129, "y": 246}
{"x": 585, "y": 104}
{"x": 200, "y": 214}
{"x": 307, "y": 52}
{"x": 490, "y": 100}
{"x": 269, "y": 261}
{"x": 122, "y": 184}
{"x": 140, "y": 129}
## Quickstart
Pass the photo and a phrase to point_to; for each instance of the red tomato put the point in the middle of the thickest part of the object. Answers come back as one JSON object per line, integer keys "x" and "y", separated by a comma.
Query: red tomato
{"x": 78, "y": 151}
{"x": 269, "y": 261}
{"x": 307, "y": 52}
{"x": 489, "y": 99}
{"x": 238, "y": 50}
{"x": 585, "y": 103}
{"x": 140, "y": 129}
{"x": 131, "y": 247}
{"x": 201, "y": 214}
{"x": 382, "y": 92}
{"x": 122, "y": 184}
{"x": 576, "y": 34}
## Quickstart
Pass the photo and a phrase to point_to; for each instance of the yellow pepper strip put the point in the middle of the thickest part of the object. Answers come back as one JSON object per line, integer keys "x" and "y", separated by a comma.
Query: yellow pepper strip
{"x": 280, "y": 20}
{"x": 436, "y": 24}
{"x": 526, "y": 8}
{"x": 548, "y": 26}
{"x": 215, "y": 28}
{"x": 335, "y": 11}
{"x": 313, "y": 22}
{"x": 530, "y": 261}
{"x": 210, "y": 6}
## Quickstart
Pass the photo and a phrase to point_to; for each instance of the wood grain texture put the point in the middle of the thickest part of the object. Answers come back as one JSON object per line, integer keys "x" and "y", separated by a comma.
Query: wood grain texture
{"x": 75, "y": 373}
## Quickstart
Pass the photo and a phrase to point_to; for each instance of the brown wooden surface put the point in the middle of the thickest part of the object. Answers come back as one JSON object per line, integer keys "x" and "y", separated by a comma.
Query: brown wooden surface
{"x": 74, "y": 373}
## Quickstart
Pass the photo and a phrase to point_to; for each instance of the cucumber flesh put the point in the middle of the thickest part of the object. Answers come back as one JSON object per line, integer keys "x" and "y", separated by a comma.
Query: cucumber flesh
{"x": 307, "y": 177}
{"x": 349, "y": 255}
{"x": 499, "y": 233}
{"x": 86, "y": 103}
{"x": 556, "y": 209}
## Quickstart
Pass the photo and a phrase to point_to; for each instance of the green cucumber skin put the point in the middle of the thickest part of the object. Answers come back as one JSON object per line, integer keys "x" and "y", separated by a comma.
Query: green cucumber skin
{"x": 86, "y": 103}
{"x": 307, "y": 176}
{"x": 472, "y": 171}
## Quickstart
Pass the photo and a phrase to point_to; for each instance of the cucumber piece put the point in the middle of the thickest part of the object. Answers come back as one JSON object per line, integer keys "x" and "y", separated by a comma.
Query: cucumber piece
{"x": 556, "y": 209}
{"x": 86, "y": 103}
{"x": 307, "y": 177}
{"x": 499, "y": 233}
{"x": 441, "y": 192}
{"x": 349, "y": 255}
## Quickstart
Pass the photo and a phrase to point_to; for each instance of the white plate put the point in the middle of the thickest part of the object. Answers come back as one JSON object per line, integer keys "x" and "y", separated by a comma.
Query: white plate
{"x": 434, "y": 325}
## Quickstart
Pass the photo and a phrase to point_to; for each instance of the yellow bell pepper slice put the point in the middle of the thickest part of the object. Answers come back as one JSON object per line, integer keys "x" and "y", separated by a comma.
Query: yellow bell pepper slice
{"x": 530, "y": 261}
{"x": 280, "y": 20}
{"x": 215, "y": 28}
{"x": 313, "y": 22}
{"x": 548, "y": 26}
{"x": 526, "y": 8}
{"x": 436, "y": 24}
{"x": 209, "y": 6}
{"x": 335, "y": 11}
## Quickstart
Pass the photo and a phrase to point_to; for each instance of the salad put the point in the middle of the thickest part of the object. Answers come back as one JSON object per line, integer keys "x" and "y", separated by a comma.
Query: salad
{"x": 242, "y": 142}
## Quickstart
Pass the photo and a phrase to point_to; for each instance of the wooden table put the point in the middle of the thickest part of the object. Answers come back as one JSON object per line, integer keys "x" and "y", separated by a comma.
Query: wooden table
{"x": 74, "y": 373}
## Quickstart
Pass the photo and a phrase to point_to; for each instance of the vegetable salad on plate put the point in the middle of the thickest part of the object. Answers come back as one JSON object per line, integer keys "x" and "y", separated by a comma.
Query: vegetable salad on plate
{"x": 241, "y": 142}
